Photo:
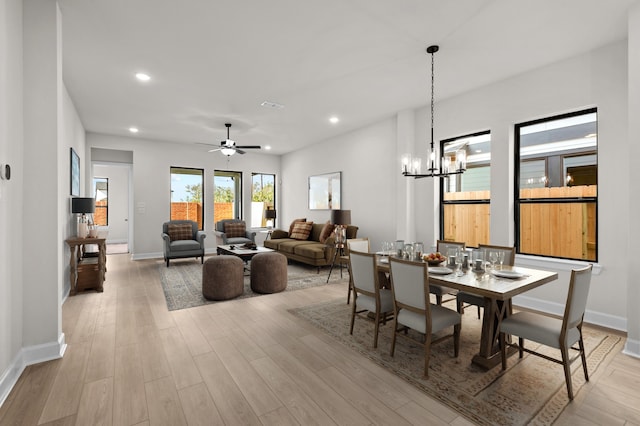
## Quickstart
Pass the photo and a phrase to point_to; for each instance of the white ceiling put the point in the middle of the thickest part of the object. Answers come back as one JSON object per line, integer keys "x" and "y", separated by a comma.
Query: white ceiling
{"x": 214, "y": 61}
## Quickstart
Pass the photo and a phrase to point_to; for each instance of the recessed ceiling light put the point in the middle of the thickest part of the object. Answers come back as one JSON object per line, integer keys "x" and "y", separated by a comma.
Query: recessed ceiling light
{"x": 267, "y": 147}
{"x": 334, "y": 120}
{"x": 274, "y": 105}
{"x": 133, "y": 129}
{"x": 142, "y": 76}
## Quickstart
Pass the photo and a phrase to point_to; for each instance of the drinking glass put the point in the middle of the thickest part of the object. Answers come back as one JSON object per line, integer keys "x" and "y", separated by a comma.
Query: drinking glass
{"x": 459, "y": 262}
{"x": 452, "y": 253}
{"x": 408, "y": 251}
{"x": 399, "y": 246}
{"x": 501, "y": 258}
{"x": 418, "y": 249}
{"x": 493, "y": 258}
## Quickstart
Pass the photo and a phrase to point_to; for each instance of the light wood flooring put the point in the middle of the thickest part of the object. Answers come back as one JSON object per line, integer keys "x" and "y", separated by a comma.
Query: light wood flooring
{"x": 129, "y": 361}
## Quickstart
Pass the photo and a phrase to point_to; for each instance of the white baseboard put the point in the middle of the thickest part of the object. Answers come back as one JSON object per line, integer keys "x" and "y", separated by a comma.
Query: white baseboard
{"x": 632, "y": 348}
{"x": 28, "y": 356}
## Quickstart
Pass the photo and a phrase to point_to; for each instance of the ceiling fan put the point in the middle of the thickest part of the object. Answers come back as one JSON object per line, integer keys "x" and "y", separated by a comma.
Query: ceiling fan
{"x": 228, "y": 147}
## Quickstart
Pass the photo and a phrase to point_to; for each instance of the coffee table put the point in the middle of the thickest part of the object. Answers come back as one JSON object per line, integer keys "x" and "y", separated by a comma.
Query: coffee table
{"x": 243, "y": 253}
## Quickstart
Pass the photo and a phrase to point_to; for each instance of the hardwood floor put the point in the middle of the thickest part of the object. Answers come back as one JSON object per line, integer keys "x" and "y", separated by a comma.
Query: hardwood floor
{"x": 129, "y": 361}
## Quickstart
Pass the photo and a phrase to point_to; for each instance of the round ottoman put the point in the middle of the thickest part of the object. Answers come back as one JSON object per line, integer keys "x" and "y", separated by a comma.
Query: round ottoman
{"x": 268, "y": 272}
{"x": 222, "y": 277}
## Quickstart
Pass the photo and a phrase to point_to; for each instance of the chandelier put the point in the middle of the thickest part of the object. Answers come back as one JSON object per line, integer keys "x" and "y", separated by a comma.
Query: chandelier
{"x": 436, "y": 165}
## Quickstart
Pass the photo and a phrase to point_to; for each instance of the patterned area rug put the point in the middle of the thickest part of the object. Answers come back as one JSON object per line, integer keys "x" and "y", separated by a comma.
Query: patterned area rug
{"x": 531, "y": 391}
{"x": 182, "y": 282}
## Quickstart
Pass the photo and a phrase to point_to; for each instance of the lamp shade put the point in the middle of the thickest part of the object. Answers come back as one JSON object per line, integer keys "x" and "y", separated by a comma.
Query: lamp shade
{"x": 83, "y": 205}
{"x": 341, "y": 217}
{"x": 270, "y": 214}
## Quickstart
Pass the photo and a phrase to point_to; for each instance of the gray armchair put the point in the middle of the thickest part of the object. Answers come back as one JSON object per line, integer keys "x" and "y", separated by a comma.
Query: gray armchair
{"x": 182, "y": 239}
{"x": 241, "y": 237}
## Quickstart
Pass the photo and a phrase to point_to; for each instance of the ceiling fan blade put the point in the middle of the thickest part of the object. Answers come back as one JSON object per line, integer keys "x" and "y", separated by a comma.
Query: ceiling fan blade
{"x": 214, "y": 150}
{"x": 239, "y": 151}
{"x": 249, "y": 146}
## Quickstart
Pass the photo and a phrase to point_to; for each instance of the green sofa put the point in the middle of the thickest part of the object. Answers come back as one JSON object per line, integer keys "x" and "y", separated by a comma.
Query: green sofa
{"x": 310, "y": 251}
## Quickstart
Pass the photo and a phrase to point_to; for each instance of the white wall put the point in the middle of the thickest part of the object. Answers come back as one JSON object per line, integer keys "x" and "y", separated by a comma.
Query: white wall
{"x": 151, "y": 183}
{"x": 373, "y": 187}
{"x": 11, "y": 138}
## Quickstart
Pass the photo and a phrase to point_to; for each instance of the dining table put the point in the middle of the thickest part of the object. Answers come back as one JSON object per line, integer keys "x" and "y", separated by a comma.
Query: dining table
{"x": 498, "y": 287}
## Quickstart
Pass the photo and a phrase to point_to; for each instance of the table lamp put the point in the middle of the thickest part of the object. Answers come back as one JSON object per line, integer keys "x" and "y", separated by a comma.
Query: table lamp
{"x": 83, "y": 206}
{"x": 270, "y": 215}
{"x": 341, "y": 218}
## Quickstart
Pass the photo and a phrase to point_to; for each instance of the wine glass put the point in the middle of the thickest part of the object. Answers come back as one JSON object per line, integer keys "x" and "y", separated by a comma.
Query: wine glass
{"x": 501, "y": 258}
{"x": 493, "y": 258}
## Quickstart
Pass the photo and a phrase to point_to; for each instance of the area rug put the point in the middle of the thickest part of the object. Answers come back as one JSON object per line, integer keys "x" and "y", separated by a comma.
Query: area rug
{"x": 182, "y": 283}
{"x": 531, "y": 391}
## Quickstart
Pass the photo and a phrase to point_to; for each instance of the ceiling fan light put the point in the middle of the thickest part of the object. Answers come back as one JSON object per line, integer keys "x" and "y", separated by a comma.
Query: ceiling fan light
{"x": 228, "y": 151}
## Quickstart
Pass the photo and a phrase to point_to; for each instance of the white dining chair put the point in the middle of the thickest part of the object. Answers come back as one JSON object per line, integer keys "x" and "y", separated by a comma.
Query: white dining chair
{"x": 413, "y": 309}
{"x": 463, "y": 298}
{"x": 358, "y": 244}
{"x": 439, "y": 291}
{"x": 367, "y": 294}
{"x": 557, "y": 333}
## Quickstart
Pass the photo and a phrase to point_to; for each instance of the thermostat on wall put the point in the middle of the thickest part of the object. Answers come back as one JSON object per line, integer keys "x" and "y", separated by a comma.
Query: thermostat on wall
{"x": 5, "y": 171}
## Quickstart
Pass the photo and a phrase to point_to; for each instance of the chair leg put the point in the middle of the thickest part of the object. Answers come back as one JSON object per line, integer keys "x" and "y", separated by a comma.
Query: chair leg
{"x": 167, "y": 262}
{"x": 478, "y": 312}
{"x": 202, "y": 259}
{"x": 567, "y": 369}
{"x": 456, "y": 339}
{"x": 427, "y": 354}
{"x": 439, "y": 299}
{"x": 503, "y": 351}
{"x": 459, "y": 306}
{"x": 521, "y": 346}
{"x": 583, "y": 359}
{"x": 393, "y": 339}
{"x": 349, "y": 291}
{"x": 377, "y": 328}
{"x": 353, "y": 314}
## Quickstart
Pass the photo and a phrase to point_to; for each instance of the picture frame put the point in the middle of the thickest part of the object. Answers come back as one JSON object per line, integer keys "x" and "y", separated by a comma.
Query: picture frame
{"x": 325, "y": 191}
{"x": 74, "y": 174}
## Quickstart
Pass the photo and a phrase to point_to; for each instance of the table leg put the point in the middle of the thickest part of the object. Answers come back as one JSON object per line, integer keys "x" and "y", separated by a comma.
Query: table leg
{"x": 489, "y": 353}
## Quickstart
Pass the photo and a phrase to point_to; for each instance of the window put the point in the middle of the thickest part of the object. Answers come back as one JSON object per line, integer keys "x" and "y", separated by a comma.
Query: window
{"x": 556, "y": 184}
{"x": 186, "y": 194}
{"x": 465, "y": 198}
{"x": 263, "y": 197}
{"x": 101, "y": 215}
{"x": 227, "y": 195}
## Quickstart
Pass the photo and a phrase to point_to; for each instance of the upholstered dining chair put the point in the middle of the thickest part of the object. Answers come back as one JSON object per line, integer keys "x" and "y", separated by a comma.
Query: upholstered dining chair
{"x": 561, "y": 334}
{"x": 367, "y": 294}
{"x": 358, "y": 244}
{"x": 463, "y": 298}
{"x": 443, "y": 247}
{"x": 413, "y": 309}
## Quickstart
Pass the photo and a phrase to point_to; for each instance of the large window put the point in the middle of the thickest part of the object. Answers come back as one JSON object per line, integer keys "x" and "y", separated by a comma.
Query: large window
{"x": 101, "y": 215}
{"x": 187, "y": 194}
{"x": 227, "y": 195}
{"x": 556, "y": 186}
{"x": 465, "y": 198}
{"x": 263, "y": 197}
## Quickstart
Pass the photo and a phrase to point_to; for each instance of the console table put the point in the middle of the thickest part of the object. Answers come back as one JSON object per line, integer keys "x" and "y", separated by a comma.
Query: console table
{"x": 86, "y": 270}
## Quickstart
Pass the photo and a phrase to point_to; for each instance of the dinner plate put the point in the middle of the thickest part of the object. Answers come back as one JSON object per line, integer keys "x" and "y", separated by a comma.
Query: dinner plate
{"x": 440, "y": 270}
{"x": 507, "y": 274}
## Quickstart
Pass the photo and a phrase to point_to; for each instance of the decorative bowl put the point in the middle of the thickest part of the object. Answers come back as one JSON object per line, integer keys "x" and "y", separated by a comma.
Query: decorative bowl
{"x": 434, "y": 259}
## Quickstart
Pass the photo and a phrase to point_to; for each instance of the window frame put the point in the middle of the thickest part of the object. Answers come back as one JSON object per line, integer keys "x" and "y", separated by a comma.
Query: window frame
{"x": 202, "y": 176}
{"x": 518, "y": 202}
{"x": 273, "y": 202}
{"x": 443, "y": 202}
{"x": 238, "y": 210}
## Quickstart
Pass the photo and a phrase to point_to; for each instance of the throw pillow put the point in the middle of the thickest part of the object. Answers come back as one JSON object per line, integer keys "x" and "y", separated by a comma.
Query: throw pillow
{"x": 301, "y": 230}
{"x": 304, "y": 219}
{"x": 179, "y": 231}
{"x": 326, "y": 232}
{"x": 235, "y": 229}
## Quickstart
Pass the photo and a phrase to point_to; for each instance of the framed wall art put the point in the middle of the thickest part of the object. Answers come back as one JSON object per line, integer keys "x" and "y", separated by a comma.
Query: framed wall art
{"x": 324, "y": 191}
{"x": 75, "y": 174}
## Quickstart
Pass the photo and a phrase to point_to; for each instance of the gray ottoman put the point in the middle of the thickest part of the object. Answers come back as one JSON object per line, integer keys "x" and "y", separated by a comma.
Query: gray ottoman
{"x": 222, "y": 277}
{"x": 269, "y": 272}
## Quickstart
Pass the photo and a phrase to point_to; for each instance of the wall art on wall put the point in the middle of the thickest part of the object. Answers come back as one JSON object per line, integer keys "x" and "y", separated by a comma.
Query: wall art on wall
{"x": 75, "y": 174}
{"x": 324, "y": 191}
